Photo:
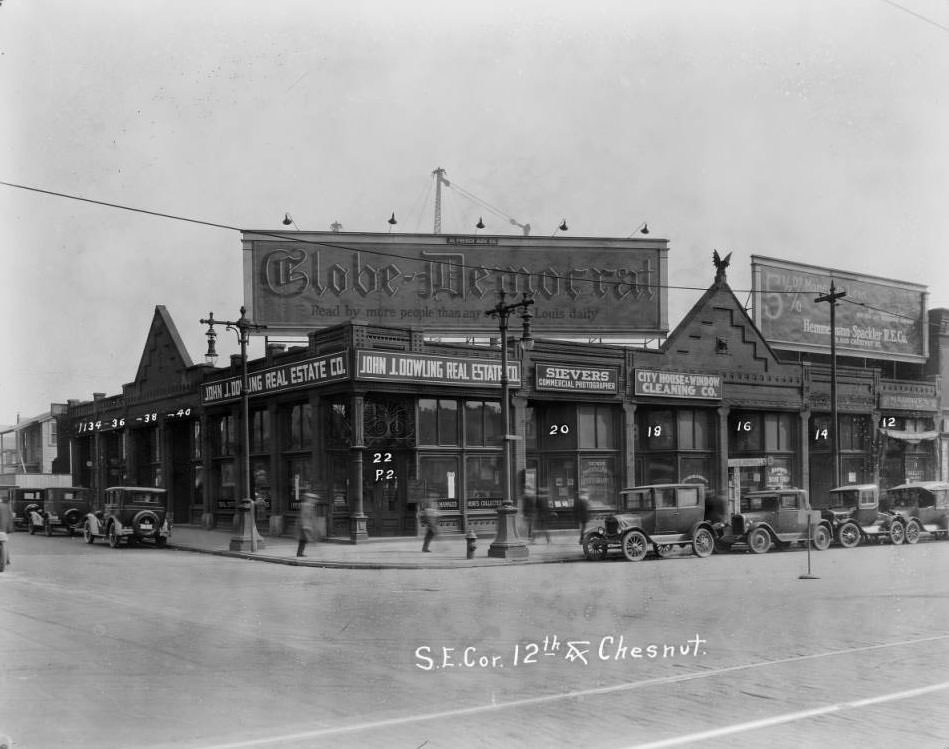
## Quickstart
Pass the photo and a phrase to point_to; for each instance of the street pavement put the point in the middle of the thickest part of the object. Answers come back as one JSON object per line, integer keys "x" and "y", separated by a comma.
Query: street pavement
{"x": 447, "y": 551}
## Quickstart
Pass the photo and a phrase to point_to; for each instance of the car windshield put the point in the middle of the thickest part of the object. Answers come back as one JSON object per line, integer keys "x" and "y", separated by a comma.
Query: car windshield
{"x": 642, "y": 500}
{"x": 844, "y": 498}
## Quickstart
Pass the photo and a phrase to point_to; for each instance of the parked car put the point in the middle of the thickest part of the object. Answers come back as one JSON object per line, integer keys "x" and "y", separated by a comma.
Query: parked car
{"x": 27, "y": 507}
{"x": 66, "y": 508}
{"x": 920, "y": 508}
{"x": 855, "y": 515}
{"x": 661, "y": 516}
{"x": 777, "y": 517}
{"x": 132, "y": 513}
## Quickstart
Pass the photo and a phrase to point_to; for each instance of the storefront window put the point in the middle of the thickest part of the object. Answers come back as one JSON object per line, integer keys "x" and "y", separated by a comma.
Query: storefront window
{"x": 299, "y": 426}
{"x": 227, "y": 487}
{"x": 222, "y": 436}
{"x": 657, "y": 429}
{"x": 483, "y": 477}
{"x": 196, "y": 442}
{"x": 483, "y": 423}
{"x": 597, "y": 476}
{"x": 695, "y": 429}
{"x": 437, "y": 421}
{"x": 260, "y": 431}
{"x": 439, "y": 481}
{"x": 299, "y": 475}
{"x": 557, "y": 426}
{"x": 747, "y": 432}
{"x": 595, "y": 426}
{"x": 779, "y": 432}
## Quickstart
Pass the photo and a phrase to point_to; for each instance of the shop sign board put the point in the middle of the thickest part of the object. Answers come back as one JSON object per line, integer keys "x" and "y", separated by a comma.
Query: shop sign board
{"x": 903, "y": 402}
{"x": 657, "y": 382}
{"x": 877, "y": 318}
{"x": 566, "y": 377}
{"x": 438, "y": 370}
{"x": 298, "y": 374}
{"x": 296, "y": 282}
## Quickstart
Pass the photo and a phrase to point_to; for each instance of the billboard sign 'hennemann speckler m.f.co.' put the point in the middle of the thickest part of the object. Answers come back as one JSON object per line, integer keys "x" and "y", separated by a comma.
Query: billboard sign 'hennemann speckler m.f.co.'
{"x": 878, "y": 318}
{"x": 296, "y": 282}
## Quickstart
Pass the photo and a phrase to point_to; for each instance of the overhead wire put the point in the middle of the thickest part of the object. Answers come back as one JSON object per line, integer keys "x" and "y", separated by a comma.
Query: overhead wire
{"x": 383, "y": 253}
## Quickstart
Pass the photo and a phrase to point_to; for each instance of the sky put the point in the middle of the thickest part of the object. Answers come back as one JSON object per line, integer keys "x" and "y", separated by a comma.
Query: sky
{"x": 813, "y": 131}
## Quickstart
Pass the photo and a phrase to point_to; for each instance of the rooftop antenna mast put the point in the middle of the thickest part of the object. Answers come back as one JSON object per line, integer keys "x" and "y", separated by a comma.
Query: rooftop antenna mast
{"x": 440, "y": 180}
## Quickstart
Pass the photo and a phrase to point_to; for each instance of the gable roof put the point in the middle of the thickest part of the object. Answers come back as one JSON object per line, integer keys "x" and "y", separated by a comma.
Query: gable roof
{"x": 165, "y": 357}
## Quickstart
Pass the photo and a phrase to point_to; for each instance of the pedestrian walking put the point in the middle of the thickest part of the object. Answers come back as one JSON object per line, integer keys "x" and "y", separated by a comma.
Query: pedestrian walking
{"x": 542, "y": 515}
{"x": 429, "y": 520}
{"x": 530, "y": 511}
{"x": 306, "y": 533}
{"x": 582, "y": 510}
{"x": 6, "y": 528}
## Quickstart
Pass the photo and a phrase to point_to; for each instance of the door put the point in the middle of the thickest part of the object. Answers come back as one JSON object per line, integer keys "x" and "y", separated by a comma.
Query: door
{"x": 792, "y": 516}
{"x": 384, "y": 493}
{"x": 667, "y": 510}
{"x": 179, "y": 482}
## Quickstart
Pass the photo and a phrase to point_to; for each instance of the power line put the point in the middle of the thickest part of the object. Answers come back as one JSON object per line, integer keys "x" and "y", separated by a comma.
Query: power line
{"x": 917, "y": 15}
{"x": 369, "y": 251}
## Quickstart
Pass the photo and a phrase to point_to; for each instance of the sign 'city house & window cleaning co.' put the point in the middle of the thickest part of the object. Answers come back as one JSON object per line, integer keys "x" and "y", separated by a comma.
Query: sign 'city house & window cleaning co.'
{"x": 656, "y": 382}
{"x": 441, "y": 370}
{"x": 329, "y": 368}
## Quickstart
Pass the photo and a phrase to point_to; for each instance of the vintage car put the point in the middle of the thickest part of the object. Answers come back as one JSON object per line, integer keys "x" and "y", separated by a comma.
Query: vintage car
{"x": 132, "y": 513}
{"x": 777, "y": 517}
{"x": 661, "y": 516}
{"x": 921, "y": 507}
{"x": 854, "y": 514}
{"x": 27, "y": 507}
{"x": 66, "y": 508}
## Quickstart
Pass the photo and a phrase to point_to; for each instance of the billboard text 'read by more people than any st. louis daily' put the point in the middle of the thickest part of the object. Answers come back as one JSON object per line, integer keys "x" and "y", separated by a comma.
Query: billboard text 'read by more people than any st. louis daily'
{"x": 296, "y": 282}
{"x": 877, "y": 318}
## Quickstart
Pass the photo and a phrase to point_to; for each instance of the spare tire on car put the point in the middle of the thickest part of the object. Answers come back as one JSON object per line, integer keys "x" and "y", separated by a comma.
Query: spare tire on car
{"x": 145, "y": 518}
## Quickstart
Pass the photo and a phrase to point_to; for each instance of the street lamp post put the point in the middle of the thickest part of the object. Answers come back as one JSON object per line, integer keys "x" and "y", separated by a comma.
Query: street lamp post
{"x": 507, "y": 544}
{"x": 245, "y": 536}
{"x": 832, "y": 298}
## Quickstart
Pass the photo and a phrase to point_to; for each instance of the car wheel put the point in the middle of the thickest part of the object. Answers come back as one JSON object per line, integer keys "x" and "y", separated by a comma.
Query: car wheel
{"x": 759, "y": 541}
{"x": 635, "y": 546}
{"x": 663, "y": 550}
{"x": 87, "y": 533}
{"x": 912, "y": 532}
{"x": 897, "y": 533}
{"x": 849, "y": 535}
{"x": 703, "y": 544}
{"x": 3, "y": 555}
{"x": 113, "y": 536}
{"x": 821, "y": 539}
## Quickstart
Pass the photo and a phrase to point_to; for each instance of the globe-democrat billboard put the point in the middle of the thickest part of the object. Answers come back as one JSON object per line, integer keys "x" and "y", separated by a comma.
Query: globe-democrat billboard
{"x": 878, "y": 318}
{"x": 295, "y": 282}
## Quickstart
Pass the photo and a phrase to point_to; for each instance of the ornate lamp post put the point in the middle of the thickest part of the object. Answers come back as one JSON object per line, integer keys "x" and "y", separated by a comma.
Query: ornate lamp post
{"x": 245, "y": 536}
{"x": 507, "y": 544}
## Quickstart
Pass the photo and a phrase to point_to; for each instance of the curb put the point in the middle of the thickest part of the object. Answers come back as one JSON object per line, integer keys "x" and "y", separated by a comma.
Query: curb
{"x": 293, "y": 562}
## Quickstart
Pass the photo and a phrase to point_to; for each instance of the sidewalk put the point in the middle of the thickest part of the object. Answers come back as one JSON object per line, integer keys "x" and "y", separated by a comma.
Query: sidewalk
{"x": 447, "y": 551}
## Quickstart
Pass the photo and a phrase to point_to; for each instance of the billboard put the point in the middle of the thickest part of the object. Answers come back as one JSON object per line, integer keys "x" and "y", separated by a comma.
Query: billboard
{"x": 296, "y": 282}
{"x": 878, "y": 318}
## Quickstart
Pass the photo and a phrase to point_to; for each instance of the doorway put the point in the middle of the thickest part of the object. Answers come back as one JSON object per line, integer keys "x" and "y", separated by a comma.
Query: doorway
{"x": 384, "y": 493}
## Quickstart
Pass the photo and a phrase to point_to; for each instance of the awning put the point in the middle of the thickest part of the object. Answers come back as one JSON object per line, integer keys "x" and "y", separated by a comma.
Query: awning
{"x": 914, "y": 438}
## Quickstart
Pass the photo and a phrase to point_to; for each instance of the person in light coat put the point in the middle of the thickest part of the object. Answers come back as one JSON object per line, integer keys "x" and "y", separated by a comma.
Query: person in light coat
{"x": 307, "y": 530}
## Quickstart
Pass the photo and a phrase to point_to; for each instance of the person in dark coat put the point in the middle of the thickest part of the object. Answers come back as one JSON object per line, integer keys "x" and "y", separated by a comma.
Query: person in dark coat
{"x": 307, "y": 530}
{"x": 6, "y": 527}
{"x": 542, "y": 514}
{"x": 582, "y": 511}
{"x": 429, "y": 520}
{"x": 530, "y": 511}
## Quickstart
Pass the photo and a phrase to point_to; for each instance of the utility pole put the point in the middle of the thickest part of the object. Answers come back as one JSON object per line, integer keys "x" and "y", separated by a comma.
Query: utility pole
{"x": 440, "y": 180}
{"x": 832, "y": 298}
